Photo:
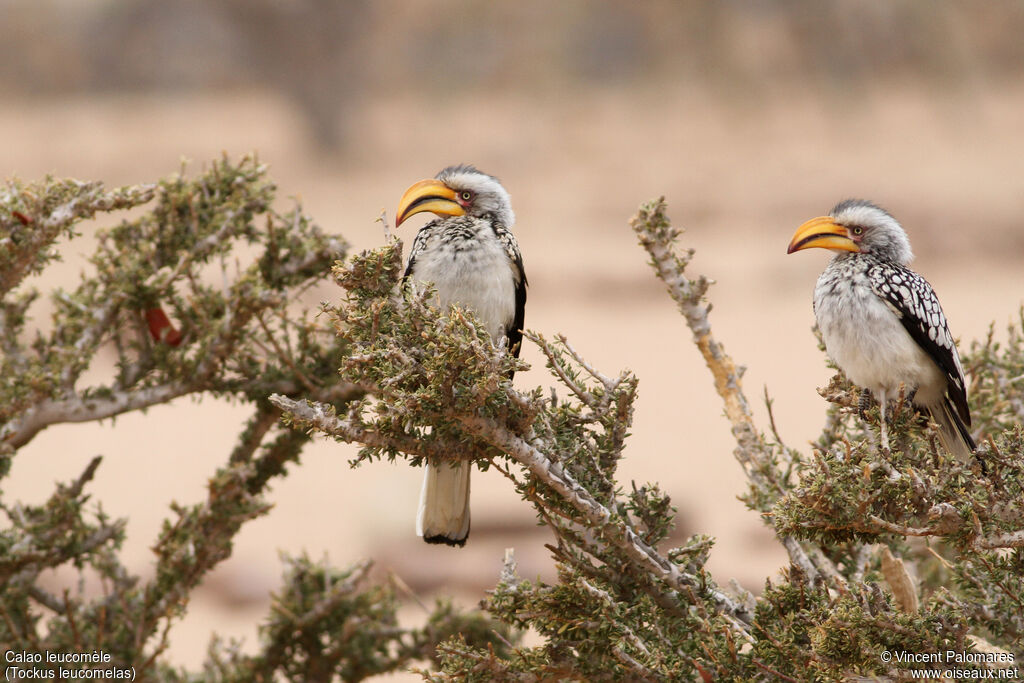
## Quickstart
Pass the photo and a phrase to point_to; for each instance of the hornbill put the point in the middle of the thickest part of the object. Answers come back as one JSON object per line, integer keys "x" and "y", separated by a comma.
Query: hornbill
{"x": 469, "y": 255}
{"x": 882, "y": 323}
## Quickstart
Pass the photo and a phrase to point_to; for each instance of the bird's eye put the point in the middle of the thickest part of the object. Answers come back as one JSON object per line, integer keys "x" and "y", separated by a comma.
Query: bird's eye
{"x": 858, "y": 231}
{"x": 466, "y": 195}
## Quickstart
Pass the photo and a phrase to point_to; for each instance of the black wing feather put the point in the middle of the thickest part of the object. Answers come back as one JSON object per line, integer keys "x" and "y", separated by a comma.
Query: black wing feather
{"x": 914, "y": 300}
{"x": 514, "y": 332}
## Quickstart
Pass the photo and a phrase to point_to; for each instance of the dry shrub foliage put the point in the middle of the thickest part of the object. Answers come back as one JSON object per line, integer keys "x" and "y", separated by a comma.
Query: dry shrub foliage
{"x": 225, "y": 268}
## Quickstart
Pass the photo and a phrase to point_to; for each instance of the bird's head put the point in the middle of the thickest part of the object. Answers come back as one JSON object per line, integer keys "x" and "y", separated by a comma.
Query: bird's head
{"x": 855, "y": 225}
{"x": 458, "y": 191}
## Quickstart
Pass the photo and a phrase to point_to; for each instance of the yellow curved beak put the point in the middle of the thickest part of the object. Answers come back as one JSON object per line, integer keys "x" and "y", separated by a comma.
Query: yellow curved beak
{"x": 822, "y": 232}
{"x": 428, "y": 195}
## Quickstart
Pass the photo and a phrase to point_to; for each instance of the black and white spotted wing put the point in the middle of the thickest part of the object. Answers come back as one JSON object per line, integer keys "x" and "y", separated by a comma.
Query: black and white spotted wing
{"x": 914, "y": 301}
{"x": 419, "y": 244}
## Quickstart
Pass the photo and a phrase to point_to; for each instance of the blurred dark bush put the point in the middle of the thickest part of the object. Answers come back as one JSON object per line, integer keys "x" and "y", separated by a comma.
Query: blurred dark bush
{"x": 325, "y": 56}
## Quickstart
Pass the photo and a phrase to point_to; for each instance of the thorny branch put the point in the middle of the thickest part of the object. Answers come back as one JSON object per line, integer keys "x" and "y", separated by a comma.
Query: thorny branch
{"x": 622, "y": 536}
{"x": 544, "y": 468}
{"x": 430, "y": 385}
{"x": 659, "y": 237}
{"x": 220, "y": 347}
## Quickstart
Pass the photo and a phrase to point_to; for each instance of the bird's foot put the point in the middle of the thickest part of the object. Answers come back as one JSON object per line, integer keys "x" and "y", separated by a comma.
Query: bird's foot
{"x": 864, "y": 404}
{"x": 883, "y": 423}
{"x": 905, "y": 399}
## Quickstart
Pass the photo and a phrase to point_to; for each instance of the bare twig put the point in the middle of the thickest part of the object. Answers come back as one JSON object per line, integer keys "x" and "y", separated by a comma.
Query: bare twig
{"x": 20, "y": 431}
{"x": 658, "y": 237}
{"x": 352, "y": 430}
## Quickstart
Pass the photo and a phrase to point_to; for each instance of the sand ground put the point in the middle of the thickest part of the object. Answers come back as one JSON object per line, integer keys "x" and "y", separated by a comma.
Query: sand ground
{"x": 739, "y": 179}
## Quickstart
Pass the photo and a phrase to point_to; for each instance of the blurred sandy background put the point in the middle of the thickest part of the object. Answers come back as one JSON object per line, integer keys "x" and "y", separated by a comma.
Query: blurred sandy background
{"x": 750, "y": 117}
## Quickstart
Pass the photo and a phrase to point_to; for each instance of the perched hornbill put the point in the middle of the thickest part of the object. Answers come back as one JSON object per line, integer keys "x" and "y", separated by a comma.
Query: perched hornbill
{"x": 882, "y": 323}
{"x": 470, "y": 256}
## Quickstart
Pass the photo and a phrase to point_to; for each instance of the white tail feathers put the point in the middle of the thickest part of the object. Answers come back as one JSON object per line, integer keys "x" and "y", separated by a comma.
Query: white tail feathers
{"x": 444, "y": 504}
{"x": 953, "y": 433}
